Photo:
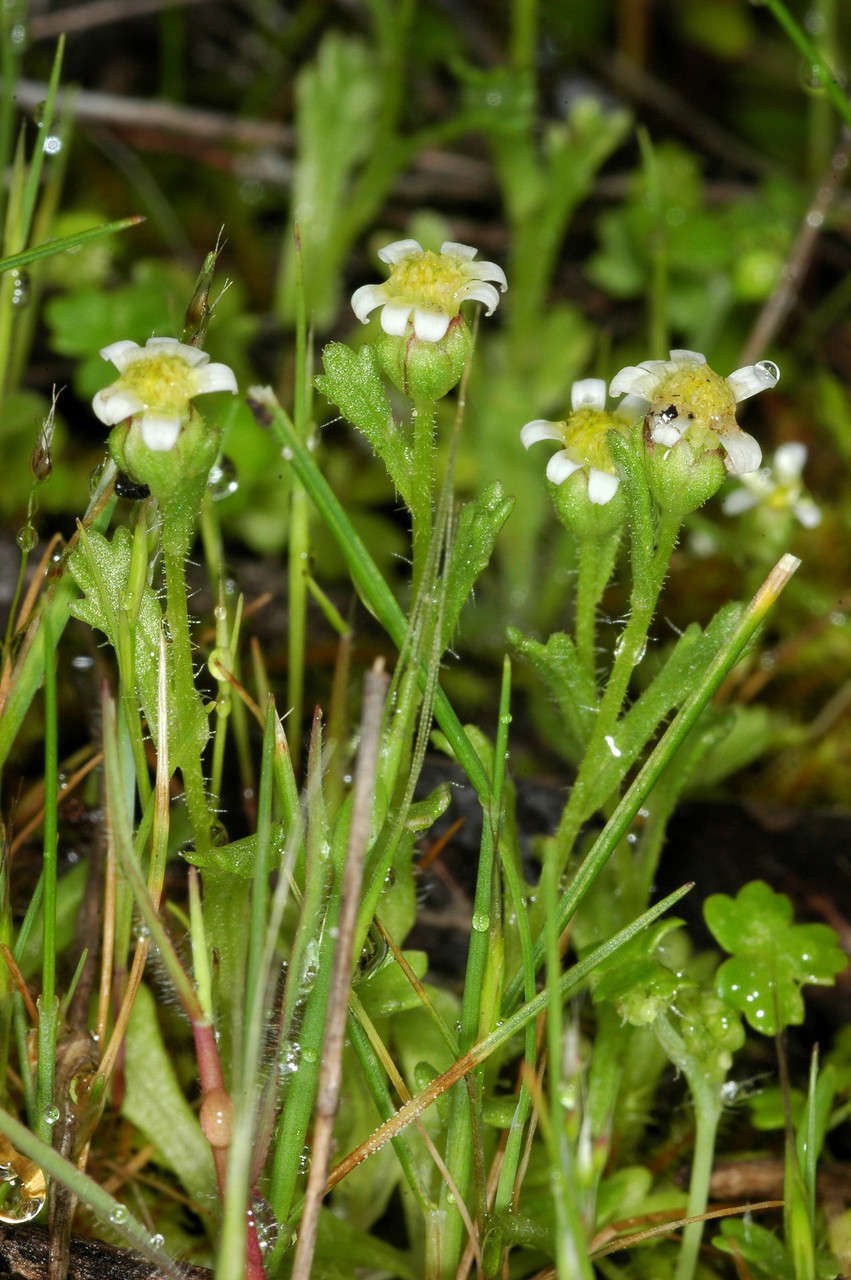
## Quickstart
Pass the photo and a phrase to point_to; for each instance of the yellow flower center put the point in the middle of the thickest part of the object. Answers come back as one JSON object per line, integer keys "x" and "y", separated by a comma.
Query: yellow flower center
{"x": 430, "y": 280}
{"x": 585, "y": 436}
{"x": 699, "y": 396}
{"x": 164, "y": 383}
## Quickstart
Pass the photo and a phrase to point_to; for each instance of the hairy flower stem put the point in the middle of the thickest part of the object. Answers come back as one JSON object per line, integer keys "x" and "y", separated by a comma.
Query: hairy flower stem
{"x": 422, "y": 510}
{"x": 647, "y": 585}
{"x": 184, "y": 692}
{"x": 596, "y": 560}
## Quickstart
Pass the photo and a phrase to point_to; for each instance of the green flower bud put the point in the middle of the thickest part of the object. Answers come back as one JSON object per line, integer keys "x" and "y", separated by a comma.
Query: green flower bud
{"x": 425, "y": 370}
{"x": 683, "y": 476}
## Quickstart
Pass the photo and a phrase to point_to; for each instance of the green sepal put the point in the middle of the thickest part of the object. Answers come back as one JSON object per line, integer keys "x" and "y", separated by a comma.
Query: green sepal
{"x": 683, "y": 476}
{"x": 582, "y": 517}
{"x": 771, "y": 957}
{"x": 351, "y": 381}
{"x": 102, "y": 569}
{"x": 176, "y": 477}
{"x": 478, "y": 528}
{"x": 425, "y": 370}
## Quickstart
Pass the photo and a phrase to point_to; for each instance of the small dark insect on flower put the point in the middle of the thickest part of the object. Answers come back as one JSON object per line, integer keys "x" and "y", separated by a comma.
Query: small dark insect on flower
{"x": 668, "y": 415}
{"x": 127, "y": 488}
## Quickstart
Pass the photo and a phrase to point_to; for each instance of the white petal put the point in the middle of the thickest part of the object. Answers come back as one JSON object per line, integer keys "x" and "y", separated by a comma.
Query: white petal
{"x": 366, "y": 299}
{"x": 169, "y": 345}
{"x": 667, "y": 433}
{"x": 632, "y": 407}
{"x": 430, "y": 326}
{"x": 738, "y": 501}
{"x": 394, "y": 318}
{"x": 588, "y": 393}
{"x": 489, "y": 271}
{"x": 602, "y": 486}
{"x": 160, "y": 431}
{"x": 117, "y": 352}
{"x": 399, "y": 249}
{"x": 683, "y": 356}
{"x": 112, "y": 406}
{"x": 633, "y": 380}
{"x": 752, "y": 378}
{"x": 807, "y": 512}
{"x": 478, "y": 291}
{"x": 457, "y": 250}
{"x": 193, "y": 356}
{"x": 560, "y": 466}
{"x": 743, "y": 452}
{"x": 538, "y": 430}
{"x": 654, "y": 366}
{"x": 789, "y": 461}
{"x": 216, "y": 377}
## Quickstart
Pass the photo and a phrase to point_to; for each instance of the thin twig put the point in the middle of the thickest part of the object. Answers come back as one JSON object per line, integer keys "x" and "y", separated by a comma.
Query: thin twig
{"x": 99, "y": 13}
{"x": 66, "y": 789}
{"x": 778, "y": 306}
{"x": 702, "y": 128}
{"x": 376, "y": 683}
{"x": 91, "y": 107}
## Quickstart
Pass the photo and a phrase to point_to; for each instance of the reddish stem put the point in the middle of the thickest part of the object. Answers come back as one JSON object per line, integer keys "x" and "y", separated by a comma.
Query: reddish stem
{"x": 215, "y": 1099}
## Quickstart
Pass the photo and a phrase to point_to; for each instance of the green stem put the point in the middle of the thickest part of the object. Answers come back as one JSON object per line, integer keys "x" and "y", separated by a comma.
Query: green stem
{"x": 184, "y": 691}
{"x": 297, "y": 566}
{"x": 29, "y": 669}
{"x": 298, "y": 533}
{"x": 706, "y": 1095}
{"x": 422, "y": 510}
{"x": 47, "y": 1001}
{"x": 524, "y": 30}
{"x": 596, "y": 561}
{"x": 661, "y": 755}
{"x": 101, "y": 1203}
{"x": 647, "y": 585}
{"x": 813, "y": 56}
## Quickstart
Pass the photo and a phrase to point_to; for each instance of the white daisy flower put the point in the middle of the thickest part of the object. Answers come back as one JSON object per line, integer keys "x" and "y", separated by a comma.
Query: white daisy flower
{"x": 777, "y": 488}
{"x": 431, "y": 285}
{"x": 683, "y": 398}
{"x": 583, "y": 439}
{"x": 156, "y": 385}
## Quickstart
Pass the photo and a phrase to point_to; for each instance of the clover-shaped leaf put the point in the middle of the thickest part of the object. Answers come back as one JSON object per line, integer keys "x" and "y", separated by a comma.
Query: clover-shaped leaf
{"x": 772, "y": 957}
